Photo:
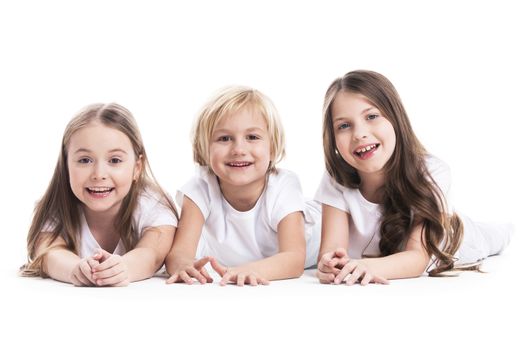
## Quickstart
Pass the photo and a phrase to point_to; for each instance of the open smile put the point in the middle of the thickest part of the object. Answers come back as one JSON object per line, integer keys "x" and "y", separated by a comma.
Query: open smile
{"x": 99, "y": 192}
{"x": 365, "y": 152}
{"x": 239, "y": 164}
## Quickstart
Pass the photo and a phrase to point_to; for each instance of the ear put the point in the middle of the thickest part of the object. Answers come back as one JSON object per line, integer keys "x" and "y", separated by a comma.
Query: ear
{"x": 139, "y": 167}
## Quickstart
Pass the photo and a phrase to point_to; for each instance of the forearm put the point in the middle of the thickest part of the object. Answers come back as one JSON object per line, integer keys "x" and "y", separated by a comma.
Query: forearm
{"x": 59, "y": 263}
{"x": 279, "y": 266}
{"x": 142, "y": 263}
{"x": 407, "y": 264}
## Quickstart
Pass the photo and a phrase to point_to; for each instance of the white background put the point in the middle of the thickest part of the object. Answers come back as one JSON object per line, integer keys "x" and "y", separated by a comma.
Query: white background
{"x": 458, "y": 67}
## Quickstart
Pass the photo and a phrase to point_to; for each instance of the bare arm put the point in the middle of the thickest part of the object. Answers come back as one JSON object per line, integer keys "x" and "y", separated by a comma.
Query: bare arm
{"x": 180, "y": 262}
{"x": 63, "y": 265}
{"x": 411, "y": 262}
{"x": 149, "y": 254}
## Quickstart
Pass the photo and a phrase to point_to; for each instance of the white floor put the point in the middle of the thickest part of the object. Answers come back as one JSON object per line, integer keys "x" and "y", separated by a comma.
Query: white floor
{"x": 474, "y": 311}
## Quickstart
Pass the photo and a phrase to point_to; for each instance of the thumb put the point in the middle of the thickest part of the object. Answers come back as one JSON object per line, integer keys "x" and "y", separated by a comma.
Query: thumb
{"x": 220, "y": 269}
{"x": 199, "y": 264}
{"x": 340, "y": 253}
{"x": 101, "y": 255}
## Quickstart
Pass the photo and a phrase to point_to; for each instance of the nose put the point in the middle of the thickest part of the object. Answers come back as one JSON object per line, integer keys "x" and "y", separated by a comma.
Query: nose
{"x": 99, "y": 171}
{"x": 360, "y": 131}
{"x": 239, "y": 147}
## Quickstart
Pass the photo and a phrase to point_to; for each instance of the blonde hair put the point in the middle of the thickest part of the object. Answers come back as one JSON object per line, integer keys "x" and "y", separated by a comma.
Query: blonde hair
{"x": 58, "y": 212}
{"x": 230, "y": 100}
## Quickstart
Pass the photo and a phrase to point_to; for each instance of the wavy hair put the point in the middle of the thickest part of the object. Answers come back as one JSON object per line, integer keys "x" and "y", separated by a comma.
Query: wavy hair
{"x": 57, "y": 214}
{"x": 410, "y": 196}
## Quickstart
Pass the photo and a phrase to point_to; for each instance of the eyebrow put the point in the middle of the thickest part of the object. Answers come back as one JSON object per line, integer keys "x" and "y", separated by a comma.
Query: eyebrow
{"x": 80, "y": 150}
{"x": 364, "y": 111}
{"x": 220, "y": 131}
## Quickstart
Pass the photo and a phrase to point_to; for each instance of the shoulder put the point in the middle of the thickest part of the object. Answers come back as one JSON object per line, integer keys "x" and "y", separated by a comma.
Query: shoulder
{"x": 283, "y": 178}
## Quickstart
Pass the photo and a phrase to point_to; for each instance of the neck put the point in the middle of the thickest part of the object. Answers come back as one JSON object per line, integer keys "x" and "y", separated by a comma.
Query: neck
{"x": 243, "y": 198}
{"x": 371, "y": 185}
{"x": 101, "y": 221}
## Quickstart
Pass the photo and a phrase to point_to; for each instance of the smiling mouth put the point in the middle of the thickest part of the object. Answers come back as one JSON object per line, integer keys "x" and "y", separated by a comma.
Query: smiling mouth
{"x": 365, "y": 151}
{"x": 239, "y": 164}
{"x": 100, "y": 190}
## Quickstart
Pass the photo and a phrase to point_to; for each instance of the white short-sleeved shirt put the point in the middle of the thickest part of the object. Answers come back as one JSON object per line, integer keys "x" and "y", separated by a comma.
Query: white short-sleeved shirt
{"x": 234, "y": 237}
{"x": 150, "y": 212}
{"x": 479, "y": 240}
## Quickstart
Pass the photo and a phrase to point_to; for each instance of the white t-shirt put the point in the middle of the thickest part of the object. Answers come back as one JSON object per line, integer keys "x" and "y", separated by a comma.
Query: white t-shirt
{"x": 150, "y": 212}
{"x": 479, "y": 241}
{"x": 234, "y": 237}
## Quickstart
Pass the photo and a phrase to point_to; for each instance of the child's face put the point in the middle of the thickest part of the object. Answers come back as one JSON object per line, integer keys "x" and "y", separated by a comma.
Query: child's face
{"x": 240, "y": 148}
{"x": 102, "y": 166}
{"x": 365, "y": 139}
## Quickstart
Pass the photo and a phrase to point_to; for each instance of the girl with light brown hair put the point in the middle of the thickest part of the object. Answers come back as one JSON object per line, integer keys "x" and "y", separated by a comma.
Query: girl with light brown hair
{"x": 103, "y": 220}
{"x": 385, "y": 213}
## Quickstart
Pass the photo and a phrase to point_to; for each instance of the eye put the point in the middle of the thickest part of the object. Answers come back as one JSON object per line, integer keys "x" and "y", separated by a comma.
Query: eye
{"x": 372, "y": 116}
{"x": 224, "y": 138}
{"x": 252, "y": 137}
{"x": 84, "y": 160}
{"x": 115, "y": 160}
{"x": 343, "y": 126}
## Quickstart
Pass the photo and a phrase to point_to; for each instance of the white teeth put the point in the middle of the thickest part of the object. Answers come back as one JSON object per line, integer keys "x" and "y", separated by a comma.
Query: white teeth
{"x": 239, "y": 164}
{"x": 99, "y": 189}
{"x": 364, "y": 149}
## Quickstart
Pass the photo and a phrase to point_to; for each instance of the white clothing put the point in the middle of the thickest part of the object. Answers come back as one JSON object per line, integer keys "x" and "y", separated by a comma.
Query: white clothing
{"x": 150, "y": 212}
{"x": 479, "y": 240}
{"x": 236, "y": 238}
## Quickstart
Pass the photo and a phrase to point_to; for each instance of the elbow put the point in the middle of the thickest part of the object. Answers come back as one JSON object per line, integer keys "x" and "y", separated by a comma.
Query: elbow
{"x": 297, "y": 265}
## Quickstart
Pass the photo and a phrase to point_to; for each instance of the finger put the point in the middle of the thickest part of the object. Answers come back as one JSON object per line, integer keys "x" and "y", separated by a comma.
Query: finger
{"x": 328, "y": 269}
{"x": 92, "y": 262}
{"x": 226, "y": 278}
{"x": 101, "y": 255}
{"x": 85, "y": 280}
{"x": 199, "y": 264}
{"x": 76, "y": 282}
{"x": 108, "y": 263}
{"x": 326, "y": 258}
{"x": 196, "y": 274}
{"x": 340, "y": 253}
{"x": 366, "y": 278}
{"x": 185, "y": 277}
{"x": 252, "y": 279}
{"x": 356, "y": 274}
{"x": 347, "y": 269}
{"x": 173, "y": 278}
{"x": 240, "y": 279}
{"x": 380, "y": 280}
{"x": 107, "y": 273}
{"x": 113, "y": 280}
{"x": 221, "y": 270}
{"x": 85, "y": 270}
{"x": 205, "y": 273}
{"x": 325, "y": 278}
{"x": 263, "y": 281}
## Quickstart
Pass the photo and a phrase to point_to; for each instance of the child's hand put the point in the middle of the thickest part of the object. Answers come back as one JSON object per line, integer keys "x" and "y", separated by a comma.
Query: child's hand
{"x": 239, "y": 275}
{"x": 330, "y": 265}
{"x": 81, "y": 275}
{"x": 111, "y": 270}
{"x": 355, "y": 270}
{"x": 187, "y": 269}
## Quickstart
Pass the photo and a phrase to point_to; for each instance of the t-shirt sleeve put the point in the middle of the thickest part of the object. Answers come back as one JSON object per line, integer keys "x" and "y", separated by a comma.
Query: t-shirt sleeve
{"x": 330, "y": 193}
{"x": 197, "y": 189}
{"x": 287, "y": 197}
{"x": 153, "y": 212}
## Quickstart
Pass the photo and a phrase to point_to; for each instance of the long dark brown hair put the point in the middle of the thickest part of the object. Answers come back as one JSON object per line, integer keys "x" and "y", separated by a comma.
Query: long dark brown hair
{"x": 410, "y": 196}
{"x": 58, "y": 212}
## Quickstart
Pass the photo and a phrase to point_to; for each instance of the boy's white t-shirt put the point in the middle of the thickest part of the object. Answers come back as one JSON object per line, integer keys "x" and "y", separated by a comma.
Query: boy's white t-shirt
{"x": 150, "y": 212}
{"x": 234, "y": 237}
{"x": 479, "y": 240}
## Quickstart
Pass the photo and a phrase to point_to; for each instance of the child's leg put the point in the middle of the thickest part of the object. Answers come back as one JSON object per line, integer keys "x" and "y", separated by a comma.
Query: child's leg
{"x": 481, "y": 240}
